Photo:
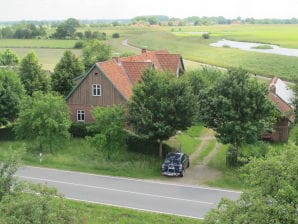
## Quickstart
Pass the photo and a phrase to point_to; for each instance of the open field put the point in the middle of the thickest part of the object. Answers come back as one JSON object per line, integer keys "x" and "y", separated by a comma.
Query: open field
{"x": 283, "y": 35}
{"x": 190, "y": 45}
{"x": 95, "y": 214}
{"x": 48, "y": 57}
{"x": 36, "y": 43}
{"x": 198, "y": 49}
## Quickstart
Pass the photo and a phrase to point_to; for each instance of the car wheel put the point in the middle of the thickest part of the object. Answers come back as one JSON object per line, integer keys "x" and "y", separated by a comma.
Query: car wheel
{"x": 182, "y": 173}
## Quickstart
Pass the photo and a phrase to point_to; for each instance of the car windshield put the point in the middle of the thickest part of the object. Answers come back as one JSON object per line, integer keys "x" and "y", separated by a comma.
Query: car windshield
{"x": 172, "y": 158}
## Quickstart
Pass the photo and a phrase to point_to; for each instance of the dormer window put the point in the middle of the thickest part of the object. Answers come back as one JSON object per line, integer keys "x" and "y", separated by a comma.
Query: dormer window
{"x": 96, "y": 90}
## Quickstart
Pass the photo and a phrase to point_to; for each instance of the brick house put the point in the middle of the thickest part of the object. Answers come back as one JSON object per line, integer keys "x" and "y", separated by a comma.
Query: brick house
{"x": 110, "y": 82}
{"x": 281, "y": 96}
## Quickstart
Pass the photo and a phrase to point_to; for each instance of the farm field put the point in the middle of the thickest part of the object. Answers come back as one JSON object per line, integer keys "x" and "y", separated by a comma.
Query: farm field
{"x": 186, "y": 41}
{"x": 283, "y": 35}
{"x": 48, "y": 57}
{"x": 197, "y": 49}
{"x": 36, "y": 43}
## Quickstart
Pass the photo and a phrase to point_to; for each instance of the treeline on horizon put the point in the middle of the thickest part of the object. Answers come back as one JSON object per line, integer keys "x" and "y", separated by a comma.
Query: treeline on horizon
{"x": 67, "y": 29}
{"x": 162, "y": 20}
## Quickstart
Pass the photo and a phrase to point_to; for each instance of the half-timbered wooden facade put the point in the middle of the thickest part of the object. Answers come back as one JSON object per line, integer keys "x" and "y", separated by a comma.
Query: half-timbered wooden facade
{"x": 110, "y": 82}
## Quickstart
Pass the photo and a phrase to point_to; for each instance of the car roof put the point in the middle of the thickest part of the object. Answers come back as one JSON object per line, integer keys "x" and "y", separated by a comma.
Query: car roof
{"x": 177, "y": 155}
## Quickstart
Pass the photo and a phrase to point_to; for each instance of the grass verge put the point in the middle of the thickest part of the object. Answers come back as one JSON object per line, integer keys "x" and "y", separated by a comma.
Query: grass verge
{"x": 230, "y": 177}
{"x": 109, "y": 215}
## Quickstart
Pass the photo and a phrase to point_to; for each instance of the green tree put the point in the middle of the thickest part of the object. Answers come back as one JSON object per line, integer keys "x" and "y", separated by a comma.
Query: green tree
{"x": 65, "y": 71}
{"x": 9, "y": 58}
{"x": 237, "y": 108}
{"x": 109, "y": 126}
{"x": 95, "y": 51}
{"x": 44, "y": 119}
{"x": 273, "y": 195}
{"x": 22, "y": 202}
{"x": 67, "y": 29}
{"x": 11, "y": 93}
{"x": 161, "y": 105}
{"x": 32, "y": 75}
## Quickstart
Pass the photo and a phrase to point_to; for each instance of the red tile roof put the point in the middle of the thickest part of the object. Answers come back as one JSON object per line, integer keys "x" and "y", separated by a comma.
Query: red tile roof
{"x": 134, "y": 70}
{"x": 116, "y": 74}
{"x": 125, "y": 72}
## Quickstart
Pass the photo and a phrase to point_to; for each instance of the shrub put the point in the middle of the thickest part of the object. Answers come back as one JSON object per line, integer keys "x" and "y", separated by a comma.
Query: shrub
{"x": 80, "y": 130}
{"x": 78, "y": 45}
{"x": 144, "y": 145}
{"x": 7, "y": 133}
{"x": 116, "y": 35}
{"x": 206, "y": 35}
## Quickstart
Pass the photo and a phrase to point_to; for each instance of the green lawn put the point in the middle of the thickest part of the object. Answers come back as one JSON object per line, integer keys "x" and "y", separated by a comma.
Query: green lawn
{"x": 77, "y": 155}
{"x": 109, "y": 215}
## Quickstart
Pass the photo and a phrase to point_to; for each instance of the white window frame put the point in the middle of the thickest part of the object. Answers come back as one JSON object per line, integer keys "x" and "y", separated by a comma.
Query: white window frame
{"x": 96, "y": 88}
{"x": 81, "y": 115}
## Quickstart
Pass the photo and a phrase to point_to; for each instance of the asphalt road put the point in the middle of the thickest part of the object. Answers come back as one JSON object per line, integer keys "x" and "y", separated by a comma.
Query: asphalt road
{"x": 182, "y": 200}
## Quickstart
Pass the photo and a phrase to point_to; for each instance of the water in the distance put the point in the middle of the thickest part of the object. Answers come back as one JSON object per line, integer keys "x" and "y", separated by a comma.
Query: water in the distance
{"x": 247, "y": 46}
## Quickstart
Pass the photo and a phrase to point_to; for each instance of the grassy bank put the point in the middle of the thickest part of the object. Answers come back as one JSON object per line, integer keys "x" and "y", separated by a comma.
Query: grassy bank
{"x": 109, "y": 215}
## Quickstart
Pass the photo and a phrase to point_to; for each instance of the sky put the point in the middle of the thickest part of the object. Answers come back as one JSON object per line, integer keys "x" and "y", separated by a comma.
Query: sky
{"x": 13, "y": 10}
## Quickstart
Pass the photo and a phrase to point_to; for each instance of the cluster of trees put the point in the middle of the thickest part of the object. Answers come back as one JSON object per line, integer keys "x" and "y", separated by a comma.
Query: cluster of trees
{"x": 66, "y": 29}
{"x": 22, "y": 202}
{"x": 23, "y": 31}
{"x": 273, "y": 194}
{"x": 88, "y": 34}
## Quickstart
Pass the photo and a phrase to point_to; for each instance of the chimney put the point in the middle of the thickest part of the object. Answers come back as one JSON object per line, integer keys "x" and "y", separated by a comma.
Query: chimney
{"x": 144, "y": 50}
{"x": 116, "y": 58}
{"x": 272, "y": 88}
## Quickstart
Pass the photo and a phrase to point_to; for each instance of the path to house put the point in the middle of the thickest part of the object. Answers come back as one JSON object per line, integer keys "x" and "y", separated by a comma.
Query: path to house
{"x": 199, "y": 173}
{"x": 126, "y": 43}
{"x": 153, "y": 196}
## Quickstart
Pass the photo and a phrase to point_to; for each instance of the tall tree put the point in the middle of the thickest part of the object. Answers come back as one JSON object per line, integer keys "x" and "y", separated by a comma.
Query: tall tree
{"x": 109, "y": 128}
{"x": 161, "y": 105}
{"x": 94, "y": 51}
{"x": 32, "y": 75}
{"x": 44, "y": 119}
{"x": 9, "y": 58}
{"x": 11, "y": 93}
{"x": 237, "y": 108}
{"x": 65, "y": 71}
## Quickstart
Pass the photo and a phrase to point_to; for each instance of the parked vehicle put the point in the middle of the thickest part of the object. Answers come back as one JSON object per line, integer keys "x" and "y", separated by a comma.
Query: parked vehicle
{"x": 175, "y": 164}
